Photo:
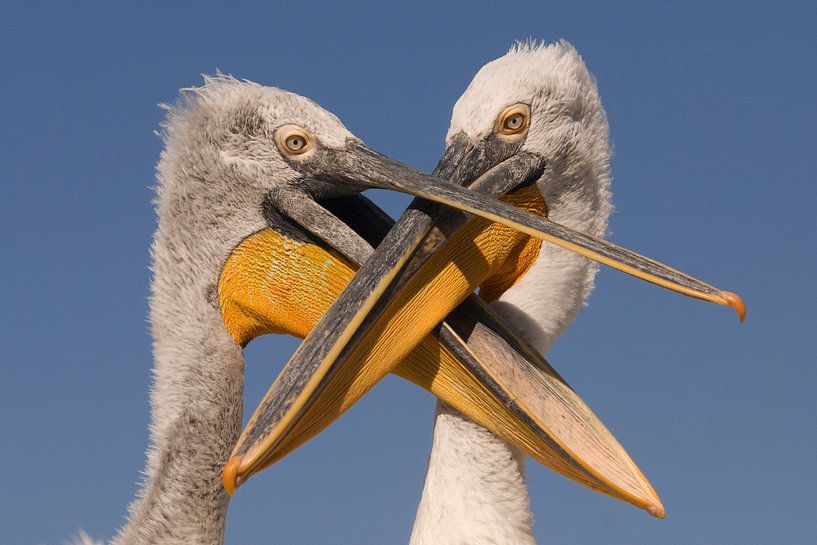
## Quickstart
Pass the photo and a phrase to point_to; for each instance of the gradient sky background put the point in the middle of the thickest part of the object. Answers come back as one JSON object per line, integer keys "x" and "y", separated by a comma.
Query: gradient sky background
{"x": 712, "y": 109}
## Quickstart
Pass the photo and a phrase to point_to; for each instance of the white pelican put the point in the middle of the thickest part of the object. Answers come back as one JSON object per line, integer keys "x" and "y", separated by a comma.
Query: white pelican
{"x": 474, "y": 490}
{"x": 239, "y": 216}
{"x": 568, "y": 126}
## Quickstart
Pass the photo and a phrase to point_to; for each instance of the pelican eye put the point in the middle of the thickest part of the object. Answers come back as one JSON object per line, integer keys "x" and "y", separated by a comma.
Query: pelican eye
{"x": 514, "y": 122}
{"x": 514, "y": 119}
{"x": 293, "y": 140}
{"x": 295, "y": 143}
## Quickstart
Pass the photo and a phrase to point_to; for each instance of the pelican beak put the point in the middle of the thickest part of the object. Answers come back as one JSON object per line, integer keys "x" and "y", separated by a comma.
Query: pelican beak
{"x": 363, "y": 166}
{"x": 382, "y": 320}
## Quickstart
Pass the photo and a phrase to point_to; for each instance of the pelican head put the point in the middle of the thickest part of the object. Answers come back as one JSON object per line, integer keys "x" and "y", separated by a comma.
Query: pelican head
{"x": 540, "y": 99}
{"x": 240, "y": 138}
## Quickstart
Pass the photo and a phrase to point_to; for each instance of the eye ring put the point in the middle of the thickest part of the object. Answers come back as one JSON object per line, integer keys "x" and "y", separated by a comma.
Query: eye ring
{"x": 293, "y": 140}
{"x": 513, "y": 120}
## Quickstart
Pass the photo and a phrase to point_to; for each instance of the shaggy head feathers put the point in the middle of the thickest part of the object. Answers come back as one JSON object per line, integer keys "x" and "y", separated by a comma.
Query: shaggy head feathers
{"x": 224, "y": 103}
{"x": 567, "y": 117}
{"x": 552, "y": 79}
{"x": 224, "y": 129}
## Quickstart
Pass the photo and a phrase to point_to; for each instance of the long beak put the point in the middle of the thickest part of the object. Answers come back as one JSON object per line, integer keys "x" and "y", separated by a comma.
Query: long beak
{"x": 474, "y": 362}
{"x": 361, "y": 338}
{"x": 372, "y": 169}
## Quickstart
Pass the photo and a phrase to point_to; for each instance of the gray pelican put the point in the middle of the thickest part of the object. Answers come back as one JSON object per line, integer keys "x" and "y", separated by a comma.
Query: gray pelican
{"x": 506, "y": 123}
{"x": 241, "y": 181}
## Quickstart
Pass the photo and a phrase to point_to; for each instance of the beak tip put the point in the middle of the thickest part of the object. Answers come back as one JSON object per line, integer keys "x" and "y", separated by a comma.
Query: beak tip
{"x": 736, "y": 302}
{"x": 657, "y": 510}
{"x": 229, "y": 476}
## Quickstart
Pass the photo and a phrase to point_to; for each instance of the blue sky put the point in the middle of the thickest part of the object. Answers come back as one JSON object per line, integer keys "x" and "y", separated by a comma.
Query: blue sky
{"x": 712, "y": 112}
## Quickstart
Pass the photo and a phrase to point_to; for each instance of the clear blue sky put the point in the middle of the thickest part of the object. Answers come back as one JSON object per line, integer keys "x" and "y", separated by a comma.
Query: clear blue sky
{"x": 713, "y": 109}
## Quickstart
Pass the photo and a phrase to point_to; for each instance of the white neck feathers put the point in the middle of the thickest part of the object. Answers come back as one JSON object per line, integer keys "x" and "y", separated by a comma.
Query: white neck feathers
{"x": 474, "y": 490}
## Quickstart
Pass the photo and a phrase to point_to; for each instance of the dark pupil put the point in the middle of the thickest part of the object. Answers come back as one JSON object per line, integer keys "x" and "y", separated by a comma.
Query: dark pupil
{"x": 514, "y": 121}
{"x": 295, "y": 142}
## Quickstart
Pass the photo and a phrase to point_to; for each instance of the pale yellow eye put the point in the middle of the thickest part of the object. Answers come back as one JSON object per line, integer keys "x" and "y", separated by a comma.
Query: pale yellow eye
{"x": 293, "y": 140}
{"x": 513, "y": 120}
{"x": 295, "y": 143}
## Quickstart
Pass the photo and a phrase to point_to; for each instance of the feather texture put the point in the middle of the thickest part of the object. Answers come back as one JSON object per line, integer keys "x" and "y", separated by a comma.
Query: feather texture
{"x": 474, "y": 489}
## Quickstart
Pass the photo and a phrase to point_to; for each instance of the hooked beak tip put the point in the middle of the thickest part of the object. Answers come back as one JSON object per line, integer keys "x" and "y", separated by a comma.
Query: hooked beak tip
{"x": 734, "y": 300}
{"x": 229, "y": 476}
{"x": 657, "y": 511}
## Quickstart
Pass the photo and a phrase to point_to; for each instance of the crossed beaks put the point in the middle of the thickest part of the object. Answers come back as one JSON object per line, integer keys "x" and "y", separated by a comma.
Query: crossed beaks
{"x": 411, "y": 309}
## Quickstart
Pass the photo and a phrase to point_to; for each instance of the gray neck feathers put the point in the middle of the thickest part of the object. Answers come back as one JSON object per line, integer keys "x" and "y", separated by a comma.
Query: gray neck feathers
{"x": 198, "y": 374}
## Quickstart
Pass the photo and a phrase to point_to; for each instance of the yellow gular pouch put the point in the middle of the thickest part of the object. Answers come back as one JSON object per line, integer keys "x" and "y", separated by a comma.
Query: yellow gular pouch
{"x": 274, "y": 284}
{"x": 524, "y": 253}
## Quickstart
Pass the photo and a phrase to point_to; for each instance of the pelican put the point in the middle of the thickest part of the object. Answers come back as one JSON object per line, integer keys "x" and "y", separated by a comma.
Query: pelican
{"x": 474, "y": 490}
{"x": 555, "y": 123}
{"x": 569, "y": 128}
{"x": 240, "y": 186}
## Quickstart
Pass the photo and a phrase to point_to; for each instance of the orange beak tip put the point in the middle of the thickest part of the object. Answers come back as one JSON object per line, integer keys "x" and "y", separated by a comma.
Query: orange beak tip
{"x": 736, "y": 302}
{"x": 657, "y": 511}
{"x": 229, "y": 475}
